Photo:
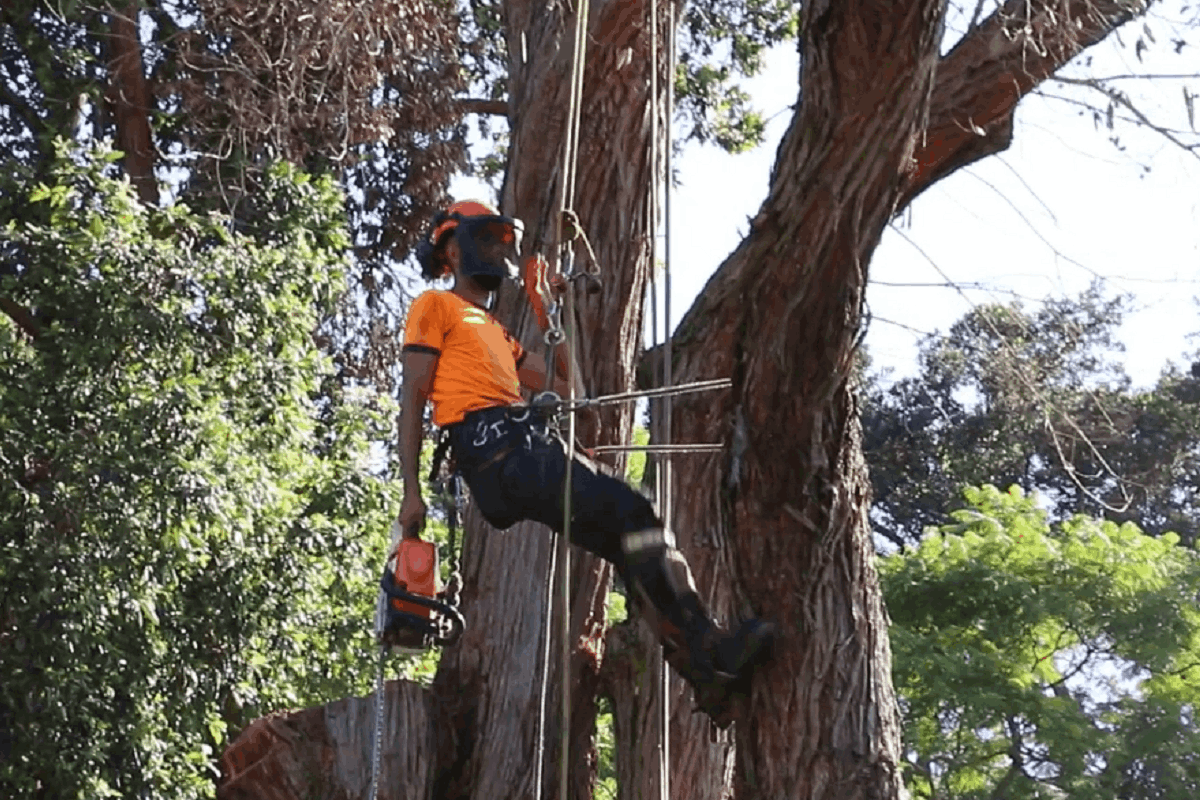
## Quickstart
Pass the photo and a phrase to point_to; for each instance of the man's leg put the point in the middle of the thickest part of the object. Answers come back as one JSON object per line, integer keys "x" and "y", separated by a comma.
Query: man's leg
{"x": 613, "y": 520}
{"x": 715, "y": 662}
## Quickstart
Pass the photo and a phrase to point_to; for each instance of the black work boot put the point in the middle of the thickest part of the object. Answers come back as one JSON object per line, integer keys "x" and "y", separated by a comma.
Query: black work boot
{"x": 717, "y": 664}
{"x": 740, "y": 653}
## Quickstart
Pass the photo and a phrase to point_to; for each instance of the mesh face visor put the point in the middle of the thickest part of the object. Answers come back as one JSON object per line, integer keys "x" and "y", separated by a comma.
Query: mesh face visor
{"x": 491, "y": 247}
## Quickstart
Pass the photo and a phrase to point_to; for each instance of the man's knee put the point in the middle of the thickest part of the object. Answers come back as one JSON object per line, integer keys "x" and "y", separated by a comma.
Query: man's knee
{"x": 655, "y": 548}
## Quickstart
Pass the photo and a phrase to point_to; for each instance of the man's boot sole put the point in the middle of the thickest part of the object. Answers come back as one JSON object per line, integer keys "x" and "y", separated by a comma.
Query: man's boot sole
{"x": 716, "y": 699}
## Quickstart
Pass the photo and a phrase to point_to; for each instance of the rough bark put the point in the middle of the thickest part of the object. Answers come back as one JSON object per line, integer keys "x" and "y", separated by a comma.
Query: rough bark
{"x": 129, "y": 99}
{"x": 783, "y": 515}
{"x": 701, "y": 756}
{"x": 326, "y": 751}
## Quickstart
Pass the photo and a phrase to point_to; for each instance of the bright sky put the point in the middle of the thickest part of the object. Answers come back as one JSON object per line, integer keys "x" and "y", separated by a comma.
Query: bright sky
{"x": 1061, "y": 207}
{"x": 997, "y": 225}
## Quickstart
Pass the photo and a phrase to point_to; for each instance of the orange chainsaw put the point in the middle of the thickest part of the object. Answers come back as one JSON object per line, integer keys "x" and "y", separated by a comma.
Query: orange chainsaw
{"x": 414, "y": 614}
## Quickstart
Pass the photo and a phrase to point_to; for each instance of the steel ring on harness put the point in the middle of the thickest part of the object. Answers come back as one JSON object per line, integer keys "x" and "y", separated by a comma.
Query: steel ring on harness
{"x": 546, "y": 403}
{"x": 555, "y": 337}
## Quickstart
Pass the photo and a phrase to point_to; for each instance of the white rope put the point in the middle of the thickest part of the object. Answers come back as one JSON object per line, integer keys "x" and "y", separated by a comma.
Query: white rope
{"x": 562, "y": 561}
{"x": 547, "y": 630}
{"x": 564, "y": 549}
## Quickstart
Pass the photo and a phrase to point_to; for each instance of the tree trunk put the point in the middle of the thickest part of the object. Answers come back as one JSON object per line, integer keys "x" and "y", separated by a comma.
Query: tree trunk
{"x": 129, "y": 99}
{"x": 782, "y": 517}
{"x": 326, "y": 751}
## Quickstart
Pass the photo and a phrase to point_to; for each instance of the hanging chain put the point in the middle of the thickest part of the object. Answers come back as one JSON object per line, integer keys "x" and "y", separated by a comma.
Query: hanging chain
{"x": 377, "y": 744}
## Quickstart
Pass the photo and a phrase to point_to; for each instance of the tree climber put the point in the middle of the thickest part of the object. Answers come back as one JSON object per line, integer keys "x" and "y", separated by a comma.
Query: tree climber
{"x": 458, "y": 356}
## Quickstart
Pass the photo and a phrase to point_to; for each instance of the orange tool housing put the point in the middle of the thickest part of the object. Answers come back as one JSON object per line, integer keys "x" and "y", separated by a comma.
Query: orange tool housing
{"x": 416, "y": 573}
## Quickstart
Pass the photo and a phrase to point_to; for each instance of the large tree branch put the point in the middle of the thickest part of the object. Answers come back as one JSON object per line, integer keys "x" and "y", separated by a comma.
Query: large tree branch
{"x": 22, "y": 316}
{"x": 981, "y": 80}
{"x": 480, "y": 105}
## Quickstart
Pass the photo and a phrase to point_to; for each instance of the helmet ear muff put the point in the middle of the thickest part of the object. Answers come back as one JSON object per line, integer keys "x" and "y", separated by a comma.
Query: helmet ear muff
{"x": 426, "y": 258}
{"x": 428, "y": 252}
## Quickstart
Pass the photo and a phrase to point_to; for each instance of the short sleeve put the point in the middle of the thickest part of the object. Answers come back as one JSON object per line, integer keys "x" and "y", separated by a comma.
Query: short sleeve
{"x": 425, "y": 329}
{"x": 517, "y": 351}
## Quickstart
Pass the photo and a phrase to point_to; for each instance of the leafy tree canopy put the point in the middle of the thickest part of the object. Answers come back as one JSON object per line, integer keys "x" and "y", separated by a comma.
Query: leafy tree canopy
{"x": 1046, "y": 661}
{"x": 222, "y": 89}
{"x": 189, "y": 526}
{"x": 1034, "y": 399}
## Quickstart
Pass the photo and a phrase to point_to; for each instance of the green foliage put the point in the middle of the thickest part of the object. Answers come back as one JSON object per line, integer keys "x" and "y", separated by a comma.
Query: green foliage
{"x": 616, "y": 608}
{"x": 606, "y": 753}
{"x": 1035, "y": 399}
{"x": 723, "y": 41}
{"x": 635, "y": 464}
{"x": 189, "y": 527}
{"x": 1040, "y": 661}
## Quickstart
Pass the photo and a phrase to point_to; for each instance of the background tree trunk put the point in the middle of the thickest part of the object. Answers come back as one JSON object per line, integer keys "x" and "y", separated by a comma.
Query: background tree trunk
{"x": 129, "y": 99}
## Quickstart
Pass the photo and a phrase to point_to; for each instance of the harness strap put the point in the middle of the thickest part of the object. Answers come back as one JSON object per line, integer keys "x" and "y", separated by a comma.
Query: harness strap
{"x": 439, "y": 454}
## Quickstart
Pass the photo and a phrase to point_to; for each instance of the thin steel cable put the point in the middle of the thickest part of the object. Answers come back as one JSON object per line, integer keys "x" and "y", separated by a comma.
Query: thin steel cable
{"x": 659, "y": 449}
{"x": 660, "y": 391}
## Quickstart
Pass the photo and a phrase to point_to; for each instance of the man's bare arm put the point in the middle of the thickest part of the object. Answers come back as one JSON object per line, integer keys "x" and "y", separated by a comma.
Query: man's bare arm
{"x": 532, "y": 375}
{"x": 414, "y": 394}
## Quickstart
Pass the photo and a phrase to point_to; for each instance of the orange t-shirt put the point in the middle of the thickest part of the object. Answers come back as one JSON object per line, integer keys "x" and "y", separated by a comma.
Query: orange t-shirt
{"x": 477, "y": 358}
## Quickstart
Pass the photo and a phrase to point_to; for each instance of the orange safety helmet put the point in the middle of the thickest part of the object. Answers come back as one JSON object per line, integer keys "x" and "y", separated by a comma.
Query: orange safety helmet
{"x": 490, "y": 243}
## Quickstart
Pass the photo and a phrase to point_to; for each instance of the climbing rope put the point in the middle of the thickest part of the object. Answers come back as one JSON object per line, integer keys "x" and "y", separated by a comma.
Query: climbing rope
{"x": 554, "y": 337}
